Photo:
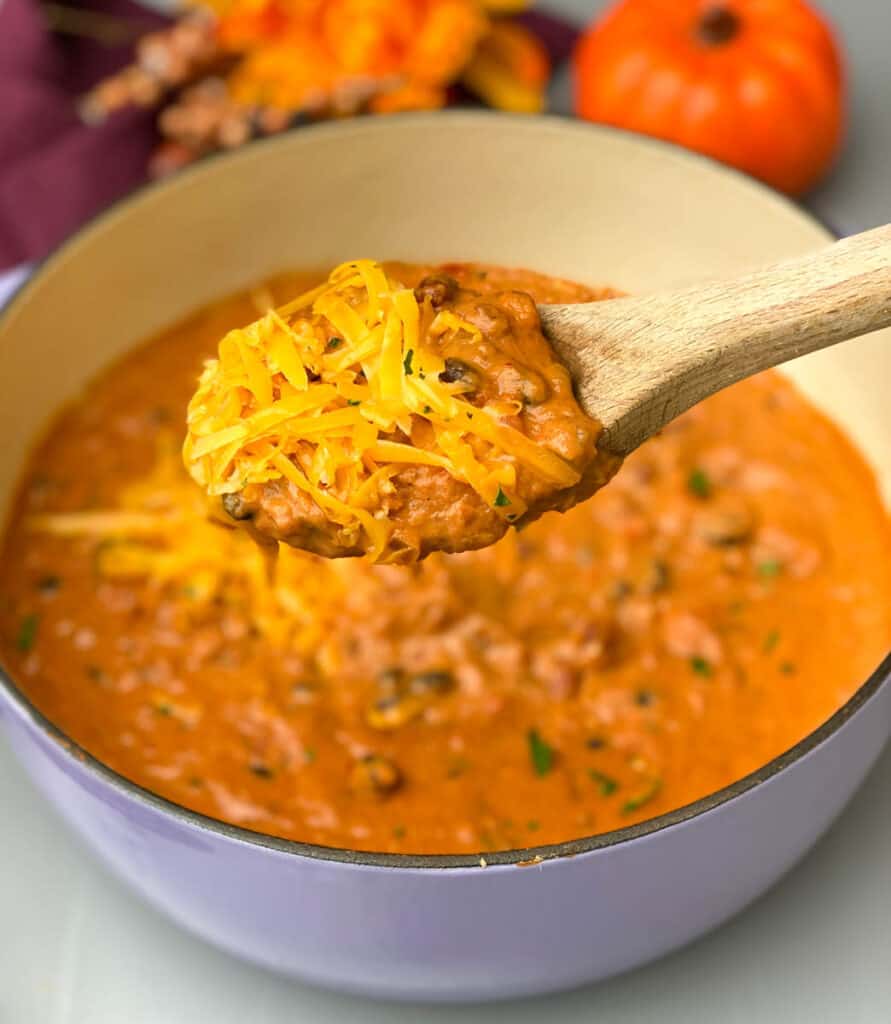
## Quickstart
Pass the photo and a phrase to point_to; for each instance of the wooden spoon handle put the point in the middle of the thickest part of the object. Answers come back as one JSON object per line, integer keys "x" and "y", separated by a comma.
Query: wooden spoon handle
{"x": 639, "y": 362}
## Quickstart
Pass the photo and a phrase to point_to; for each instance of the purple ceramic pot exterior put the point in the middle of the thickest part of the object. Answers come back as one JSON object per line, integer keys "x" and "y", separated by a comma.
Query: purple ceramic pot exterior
{"x": 445, "y": 929}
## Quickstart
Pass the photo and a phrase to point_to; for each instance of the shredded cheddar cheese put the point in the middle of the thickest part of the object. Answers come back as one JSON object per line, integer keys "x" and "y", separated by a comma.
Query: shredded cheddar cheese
{"x": 160, "y": 532}
{"x": 327, "y": 393}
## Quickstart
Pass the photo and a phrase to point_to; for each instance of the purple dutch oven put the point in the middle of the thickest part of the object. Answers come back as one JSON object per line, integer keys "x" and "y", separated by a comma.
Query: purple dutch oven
{"x": 582, "y": 202}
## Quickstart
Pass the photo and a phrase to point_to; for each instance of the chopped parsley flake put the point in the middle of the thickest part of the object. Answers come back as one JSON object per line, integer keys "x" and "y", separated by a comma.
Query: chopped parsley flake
{"x": 701, "y": 666}
{"x": 334, "y": 343}
{"x": 699, "y": 484}
{"x": 637, "y": 801}
{"x": 353, "y": 401}
{"x": 541, "y": 753}
{"x": 605, "y": 783}
{"x": 501, "y": 499}
{"x": 769, "y": 568}
{"x": 406, "y": 363}
{"x": 771, "y": 640}
{"x": 27, "y": 633}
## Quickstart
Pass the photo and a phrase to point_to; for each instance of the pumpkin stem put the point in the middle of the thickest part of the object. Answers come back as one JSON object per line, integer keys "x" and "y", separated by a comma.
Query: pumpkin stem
{"x": 718, "y": 25}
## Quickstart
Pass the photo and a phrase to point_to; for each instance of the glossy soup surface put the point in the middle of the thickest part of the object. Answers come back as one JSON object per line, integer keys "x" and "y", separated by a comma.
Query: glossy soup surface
{"x": 721, "y": 598}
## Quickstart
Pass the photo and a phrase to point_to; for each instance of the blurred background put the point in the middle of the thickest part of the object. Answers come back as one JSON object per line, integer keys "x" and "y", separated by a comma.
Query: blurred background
{"x": 99, "y": 96}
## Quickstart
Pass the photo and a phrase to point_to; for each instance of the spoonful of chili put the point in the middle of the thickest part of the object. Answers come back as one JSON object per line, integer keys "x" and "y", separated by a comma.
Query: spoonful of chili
{"x": 365, "y": 417}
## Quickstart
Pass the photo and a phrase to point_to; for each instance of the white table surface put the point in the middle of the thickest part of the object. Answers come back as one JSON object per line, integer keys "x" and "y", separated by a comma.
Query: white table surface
{"x": 77, "y": 948}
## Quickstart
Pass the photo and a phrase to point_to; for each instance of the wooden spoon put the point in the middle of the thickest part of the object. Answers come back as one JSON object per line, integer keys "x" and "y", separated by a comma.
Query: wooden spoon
{"x": 638, "y": 363}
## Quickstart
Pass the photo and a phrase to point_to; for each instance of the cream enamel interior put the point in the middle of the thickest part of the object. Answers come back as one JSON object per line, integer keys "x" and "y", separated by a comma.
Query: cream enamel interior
{"x": 568, "y": 199}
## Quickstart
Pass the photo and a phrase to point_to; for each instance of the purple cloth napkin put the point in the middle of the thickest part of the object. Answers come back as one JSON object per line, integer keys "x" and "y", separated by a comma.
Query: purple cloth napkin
{"x": 56, "y": 172}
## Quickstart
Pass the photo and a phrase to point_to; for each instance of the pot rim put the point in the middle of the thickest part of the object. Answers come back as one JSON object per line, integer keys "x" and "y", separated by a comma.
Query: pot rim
{"x": 513, "y": 857}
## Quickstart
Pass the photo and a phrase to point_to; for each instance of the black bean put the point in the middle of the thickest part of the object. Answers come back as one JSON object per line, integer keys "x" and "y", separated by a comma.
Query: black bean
{"x": 235, "y": 507}
{"x": 389, "y": 680}
{"x": 435, "y": 681}
{"x": 438, "y": 289}
{"x": 657, "y": 577}
{"x": 375, "y": 775}
{"x": 457, "y": 371}
{"x": 394, "y": 710}
{"x": 726, "y": 524}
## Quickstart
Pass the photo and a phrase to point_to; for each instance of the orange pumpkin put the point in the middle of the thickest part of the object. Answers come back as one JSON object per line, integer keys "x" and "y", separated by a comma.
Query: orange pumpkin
{"x": 757, "y": 84}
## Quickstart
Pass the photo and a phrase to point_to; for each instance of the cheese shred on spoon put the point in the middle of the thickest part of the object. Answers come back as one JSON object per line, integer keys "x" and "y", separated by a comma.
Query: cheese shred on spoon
{"x": 365, "y": 417}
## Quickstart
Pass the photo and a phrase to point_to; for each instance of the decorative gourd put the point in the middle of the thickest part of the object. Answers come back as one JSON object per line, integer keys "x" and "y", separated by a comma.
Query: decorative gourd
{"x": 757, "y": 84}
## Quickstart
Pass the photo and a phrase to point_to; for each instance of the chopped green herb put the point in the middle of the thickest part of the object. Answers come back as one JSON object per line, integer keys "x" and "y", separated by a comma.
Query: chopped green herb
{"x": 787, "y": 668}
{"x": 261, "y": 770}
{"x": 406, "y": 363}
{"x": 540, "y": 752}
{"x": 634, "y": 803}
{"x": 769, "y": 568}
{"x": 309, "y": 755}
{"x": 96, "y": 673}
{"x": 501, "y": 499}
{"x": 27, "y": 633}
{"x": 533, "y": 825}
{"x": 334, "y": 343}
{"x": 427, "y": 409}
{"x": 399, "y": 831}
{"x": 605, "y": 783}
{"x": 353, "y": 401}
{"x": 699, "y": 484}
{"x": 701, "y": 666}
{"x": 196, "y": 782}
{"x": 771, "y": 640}
{"x": 163, "y": 709}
